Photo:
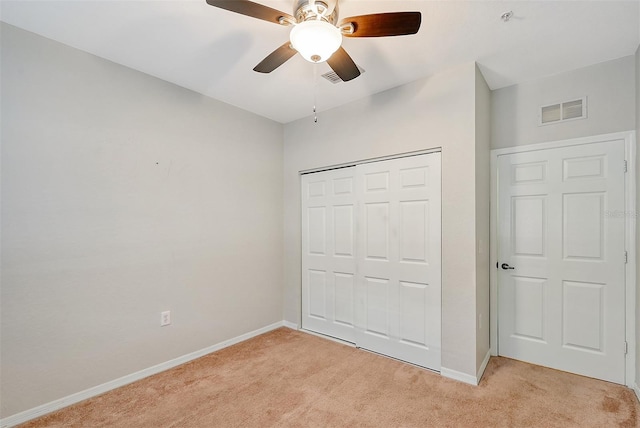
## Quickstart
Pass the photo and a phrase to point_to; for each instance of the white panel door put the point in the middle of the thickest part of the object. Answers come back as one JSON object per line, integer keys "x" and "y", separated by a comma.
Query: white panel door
{"x": 561, "y": 283}
{"x": 398, "y": 291}
{"x": 328, "y": 252}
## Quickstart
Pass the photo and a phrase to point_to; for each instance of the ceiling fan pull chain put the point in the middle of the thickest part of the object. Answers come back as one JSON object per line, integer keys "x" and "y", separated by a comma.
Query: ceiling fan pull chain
{"x": 315, "y": 92}
{"x": 315, "y": 79}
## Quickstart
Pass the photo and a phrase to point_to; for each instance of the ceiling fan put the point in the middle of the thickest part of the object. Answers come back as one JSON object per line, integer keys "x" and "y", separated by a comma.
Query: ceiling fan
{"x": 317, "y": 33}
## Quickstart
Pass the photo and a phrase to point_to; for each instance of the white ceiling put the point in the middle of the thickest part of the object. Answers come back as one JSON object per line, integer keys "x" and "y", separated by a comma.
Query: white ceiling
{"x": 213, "y": 51}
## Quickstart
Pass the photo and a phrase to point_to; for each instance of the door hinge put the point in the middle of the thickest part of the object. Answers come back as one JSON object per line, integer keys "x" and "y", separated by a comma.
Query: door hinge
{"x": 626, "y": 257}
{"x": 626, "y": 348}
{"x": 625, "y": 166}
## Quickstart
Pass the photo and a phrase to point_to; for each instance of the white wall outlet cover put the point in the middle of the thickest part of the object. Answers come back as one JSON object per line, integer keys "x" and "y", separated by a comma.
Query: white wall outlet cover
{"x": 165, "y": 318}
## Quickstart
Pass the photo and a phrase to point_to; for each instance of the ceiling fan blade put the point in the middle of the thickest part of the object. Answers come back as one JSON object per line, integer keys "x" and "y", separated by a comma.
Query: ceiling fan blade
{"x": 275, "y": 59}
{"x": 255, "y": 10}
{"x": 384, "y": 24}
{"x": 343, "y": 65}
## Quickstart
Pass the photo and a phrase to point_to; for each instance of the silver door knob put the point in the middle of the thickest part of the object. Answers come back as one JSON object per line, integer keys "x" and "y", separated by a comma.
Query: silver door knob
{"x": 506, "y": 266}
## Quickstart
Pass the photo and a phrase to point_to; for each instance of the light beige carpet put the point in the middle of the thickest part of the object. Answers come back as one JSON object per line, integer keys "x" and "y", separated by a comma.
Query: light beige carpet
{"x": 287, "y": 378}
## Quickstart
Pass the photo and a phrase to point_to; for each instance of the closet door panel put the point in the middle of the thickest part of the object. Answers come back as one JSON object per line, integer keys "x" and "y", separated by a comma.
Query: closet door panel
{"x": 371, "y": 256}
{"x": 328, "y": 252}
{"x": 398, "y": 298}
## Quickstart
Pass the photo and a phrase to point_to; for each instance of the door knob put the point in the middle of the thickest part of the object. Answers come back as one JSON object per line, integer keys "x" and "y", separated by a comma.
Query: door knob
{"x": 506, "y": 266}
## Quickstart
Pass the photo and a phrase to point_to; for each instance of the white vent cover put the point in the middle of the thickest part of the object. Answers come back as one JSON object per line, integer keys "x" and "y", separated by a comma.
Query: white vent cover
{"x": 552, "y": 113}
{"x": 332, "y": 77}
{"x": 561, "y": 112}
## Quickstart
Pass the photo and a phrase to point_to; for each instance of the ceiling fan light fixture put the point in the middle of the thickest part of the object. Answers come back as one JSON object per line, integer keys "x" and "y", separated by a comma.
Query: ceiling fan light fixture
{"x": 315, "y": 40}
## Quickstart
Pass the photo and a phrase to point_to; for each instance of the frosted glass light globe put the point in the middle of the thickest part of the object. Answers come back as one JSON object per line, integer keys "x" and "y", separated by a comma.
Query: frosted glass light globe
{"x": 315, "y": 40}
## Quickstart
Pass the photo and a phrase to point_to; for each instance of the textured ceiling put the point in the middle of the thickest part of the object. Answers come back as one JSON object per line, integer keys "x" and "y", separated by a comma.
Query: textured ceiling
{"x": 213, "y": 51}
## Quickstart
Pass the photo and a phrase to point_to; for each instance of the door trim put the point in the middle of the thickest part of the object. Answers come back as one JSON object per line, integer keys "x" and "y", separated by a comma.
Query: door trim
{"x": 629, "y": 138}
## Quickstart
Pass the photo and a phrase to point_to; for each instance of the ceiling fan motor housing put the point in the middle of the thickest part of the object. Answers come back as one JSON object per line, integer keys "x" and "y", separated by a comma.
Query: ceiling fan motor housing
{"x": 304, "y": 10}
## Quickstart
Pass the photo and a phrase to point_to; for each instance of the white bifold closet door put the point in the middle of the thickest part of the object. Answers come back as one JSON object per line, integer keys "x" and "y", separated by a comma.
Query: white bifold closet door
{"x": 328, "y": 255}
{"x": 371, "y": 262}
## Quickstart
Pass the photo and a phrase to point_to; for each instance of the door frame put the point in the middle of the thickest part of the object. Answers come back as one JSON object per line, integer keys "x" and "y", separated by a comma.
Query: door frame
{"x": 629, "y": 138}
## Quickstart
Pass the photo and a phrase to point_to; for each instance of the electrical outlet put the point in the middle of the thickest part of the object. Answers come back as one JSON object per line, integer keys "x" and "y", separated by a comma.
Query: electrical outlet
{"x": 165, "y": 318}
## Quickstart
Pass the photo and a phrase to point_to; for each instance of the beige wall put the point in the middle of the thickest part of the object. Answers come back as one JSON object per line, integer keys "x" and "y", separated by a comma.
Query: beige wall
{"x": 483, "y": 183}
{"x": 610, "y": 105}
{"x": 437, "y": 111}
{"x": 123, "y": 196}
{"x": 637, "y": 127}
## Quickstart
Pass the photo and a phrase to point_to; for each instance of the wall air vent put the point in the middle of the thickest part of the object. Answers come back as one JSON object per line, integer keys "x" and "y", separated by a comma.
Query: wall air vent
{"x": 332, "y": 77}
{"x": 561, "y": 112}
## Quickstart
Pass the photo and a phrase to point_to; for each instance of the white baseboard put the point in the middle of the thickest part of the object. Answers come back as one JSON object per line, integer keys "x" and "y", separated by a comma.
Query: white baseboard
{"x": 459, "y": 376}
{"x": 483, "y": 366}
{"x": 464, "y": 377}
{"x": 290, "y": 325}
{"x": 52, "y": 406}
{"x": 636, "y": 388}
